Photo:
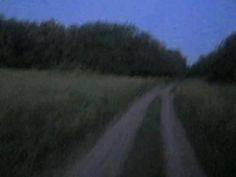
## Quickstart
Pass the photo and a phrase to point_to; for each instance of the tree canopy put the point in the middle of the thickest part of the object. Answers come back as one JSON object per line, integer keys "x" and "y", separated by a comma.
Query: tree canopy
{"x": 220, "y": 64}
{"x": 101, "y": 46}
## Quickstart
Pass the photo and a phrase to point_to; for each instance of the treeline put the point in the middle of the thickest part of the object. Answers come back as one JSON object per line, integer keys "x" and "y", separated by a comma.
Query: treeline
{"x": 220, "y": 64}
{"x": 100, "y": 46}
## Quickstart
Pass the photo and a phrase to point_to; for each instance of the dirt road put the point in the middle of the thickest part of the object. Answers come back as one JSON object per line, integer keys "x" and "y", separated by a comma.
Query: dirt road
{"x": 106, "y": 158}
{"x": 108, "y": 155}
{"x": 180, "y": 157}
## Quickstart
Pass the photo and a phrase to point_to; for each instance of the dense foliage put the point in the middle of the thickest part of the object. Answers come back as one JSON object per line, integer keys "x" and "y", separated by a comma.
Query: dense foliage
{"x": 105, "y": 47}
{"x": 219, "y": 64}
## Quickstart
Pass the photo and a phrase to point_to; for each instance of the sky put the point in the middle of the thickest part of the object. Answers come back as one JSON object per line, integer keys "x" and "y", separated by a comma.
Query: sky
{"x": 193, "y": 26}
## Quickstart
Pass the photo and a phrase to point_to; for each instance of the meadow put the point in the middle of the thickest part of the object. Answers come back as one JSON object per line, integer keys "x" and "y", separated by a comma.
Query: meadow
{"x": 45, "y": 114}
{"x": 208, "y": 113}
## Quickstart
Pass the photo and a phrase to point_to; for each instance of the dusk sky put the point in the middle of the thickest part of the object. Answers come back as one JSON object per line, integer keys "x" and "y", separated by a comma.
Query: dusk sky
{"x": 193, "y": 26}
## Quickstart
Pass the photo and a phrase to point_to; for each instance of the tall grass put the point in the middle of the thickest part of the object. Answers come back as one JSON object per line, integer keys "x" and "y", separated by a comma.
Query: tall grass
{"x": 44, "y": 113}
{"x": 208, "y": 113}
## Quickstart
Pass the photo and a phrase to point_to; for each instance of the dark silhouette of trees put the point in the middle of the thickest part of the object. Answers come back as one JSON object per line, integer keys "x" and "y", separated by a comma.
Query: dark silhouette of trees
{"x": 100, "y": 46}
{"x": 219, "y": 64}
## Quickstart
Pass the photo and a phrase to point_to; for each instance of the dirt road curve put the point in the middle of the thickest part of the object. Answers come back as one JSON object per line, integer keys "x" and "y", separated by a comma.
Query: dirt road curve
{"x": 180, "y": 157}
{"x": 106, "y": 158}
{"x": 108, "y": 155}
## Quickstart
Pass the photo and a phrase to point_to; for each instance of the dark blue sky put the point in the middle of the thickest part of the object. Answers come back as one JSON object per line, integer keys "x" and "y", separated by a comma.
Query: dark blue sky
{"x": 193, "y": 26}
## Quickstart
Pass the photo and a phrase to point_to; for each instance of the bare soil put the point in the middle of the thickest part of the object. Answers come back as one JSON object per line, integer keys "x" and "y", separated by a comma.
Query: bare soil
{"x": 179, "y": 155}
{"x": 106, "y": 158}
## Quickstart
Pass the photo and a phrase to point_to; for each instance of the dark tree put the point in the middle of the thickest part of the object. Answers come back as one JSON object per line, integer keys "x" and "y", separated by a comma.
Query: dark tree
{"x": 219, "y": 64}
{"x": 100, "y": 46}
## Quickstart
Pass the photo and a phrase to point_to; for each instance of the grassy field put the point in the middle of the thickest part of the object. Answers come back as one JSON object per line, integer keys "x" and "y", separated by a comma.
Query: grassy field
{"x": 146, "y": 156}
{"x": 43, "y": 114}
{"x": 208, "y": 112}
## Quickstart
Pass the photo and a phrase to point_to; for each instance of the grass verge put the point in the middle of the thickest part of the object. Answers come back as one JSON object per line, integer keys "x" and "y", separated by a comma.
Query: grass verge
{"x": 208, "y": 113}
{"x": 146, "y": 156}
{"x": 43, "y": 114}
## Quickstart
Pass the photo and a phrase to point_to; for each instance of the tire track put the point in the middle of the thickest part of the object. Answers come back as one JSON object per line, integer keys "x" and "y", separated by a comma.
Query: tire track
{"x": 109, "y": 153}
{"x": 179, "y": 155}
